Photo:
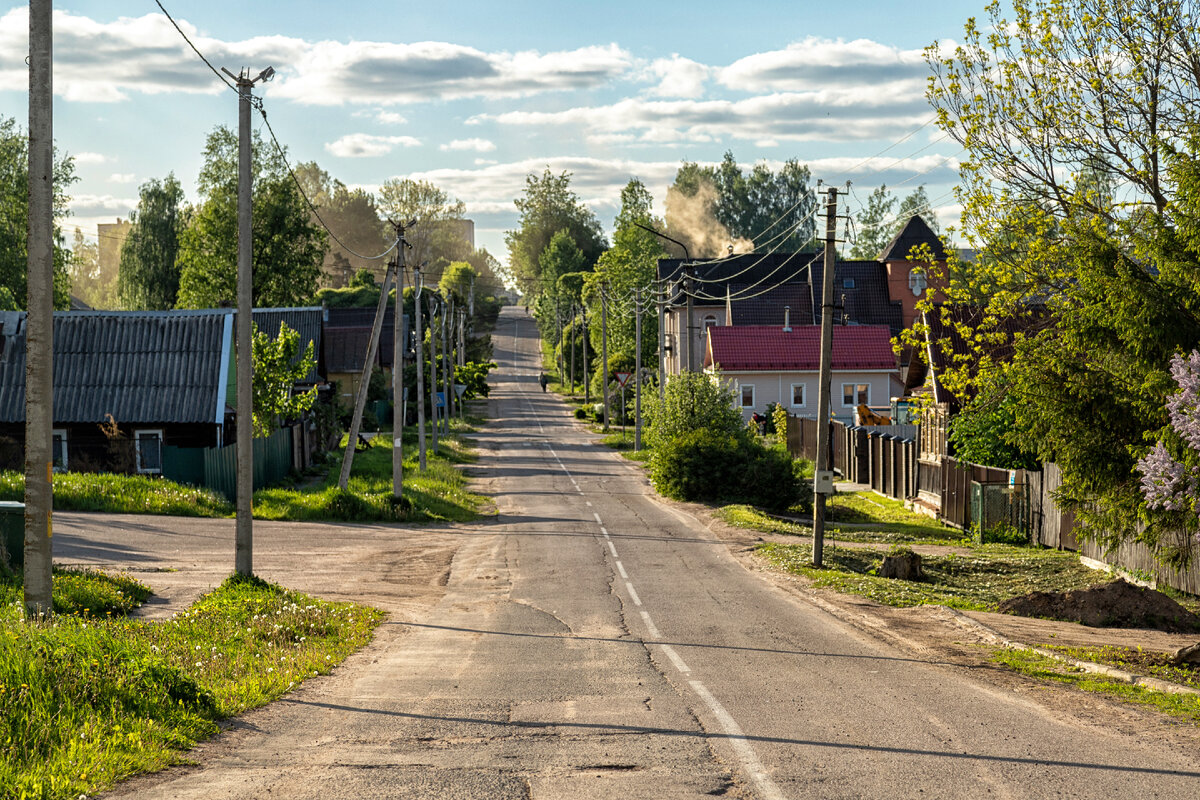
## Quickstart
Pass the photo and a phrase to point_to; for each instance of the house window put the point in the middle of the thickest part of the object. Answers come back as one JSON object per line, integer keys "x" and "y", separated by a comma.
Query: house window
{"x": 58, "y": 450}
{"x": 710, "y": 320}
{"x": 856, "y": 394}
{"x": 847, "y": 283}
{"x": 747, "y": 395}
{"x": 797, "y": 395}
{"x": 916, "y": 282}
{"x": 149, "y": 450}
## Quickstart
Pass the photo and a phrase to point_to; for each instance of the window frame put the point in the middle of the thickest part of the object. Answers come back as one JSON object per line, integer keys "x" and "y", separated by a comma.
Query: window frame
{"x": 710, "y": 321}
{"x": 137, "y": 447}
{"x": 803, "y": 395}
{"x": 856, "y": 394}
{"x": 54, "y": 454}
{"x": 742, "y": 394}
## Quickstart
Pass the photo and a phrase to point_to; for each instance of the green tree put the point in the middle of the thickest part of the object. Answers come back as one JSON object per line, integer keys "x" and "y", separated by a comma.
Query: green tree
{"x": 148, "y": 277}
{"x": 547, "y": 207}
{"x": 691, "y": 401}
{"x": 458, "y": 280}
{"x": 288, "y": 247}
{"x": 279, "y": 365}
{"x": 878, "y": 222}
{"x": 352, "y": 216}
{"x": 561, "y": 257}
{"x": 438, "y": 237}
{"x": 14, "y": 218}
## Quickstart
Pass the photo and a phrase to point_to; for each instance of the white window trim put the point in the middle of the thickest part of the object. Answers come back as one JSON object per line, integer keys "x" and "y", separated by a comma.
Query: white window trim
{"x": 137, "y": 445}
{"x": 710, "y": 321}
{"x": 855, "y": 393}
{"x": 742, "y": 394}
{"x": 61, "y": 432}
{"x": 803, "y": 393}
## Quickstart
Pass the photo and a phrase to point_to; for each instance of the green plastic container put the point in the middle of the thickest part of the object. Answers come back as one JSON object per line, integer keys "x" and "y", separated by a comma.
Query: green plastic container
{"x": 12, "y": 532}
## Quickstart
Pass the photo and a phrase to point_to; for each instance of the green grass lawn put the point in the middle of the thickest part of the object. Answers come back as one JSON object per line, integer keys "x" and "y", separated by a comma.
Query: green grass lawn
{"x": 92, "y": 697}
{"x": 979, "y": 580}
{"x": 887, "y": 522}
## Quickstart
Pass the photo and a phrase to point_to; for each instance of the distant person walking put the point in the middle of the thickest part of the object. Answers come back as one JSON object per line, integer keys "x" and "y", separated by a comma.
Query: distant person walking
{"x": 543, "y": 380}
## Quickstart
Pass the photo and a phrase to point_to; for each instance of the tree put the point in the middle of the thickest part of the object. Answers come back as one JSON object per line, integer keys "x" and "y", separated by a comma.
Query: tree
{"x": 691, "y": 401}
{"x": 278, "y": 366}
{"x": 1056, "y": 108}
{"x": 549, "y": 206}
{"x": 14, "y": 218}
{"x": 458, "y": 280}
{"x": 148, "y": 278}
{"x": 877, "y": 223}
{"x": 288, "y": 247}
{"x": 88, "y": 283}
{"x": 710, "y": 208}
{"x": 438, "y": 237}
{"x": 351, "y": 215}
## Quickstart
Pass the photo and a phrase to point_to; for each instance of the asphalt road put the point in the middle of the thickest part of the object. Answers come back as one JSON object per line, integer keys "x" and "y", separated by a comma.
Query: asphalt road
{"x": 591, "y": 642}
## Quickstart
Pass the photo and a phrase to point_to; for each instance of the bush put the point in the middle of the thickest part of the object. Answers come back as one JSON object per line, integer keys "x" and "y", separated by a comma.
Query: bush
{"x": 692, "y": 401}
{"x": 710, "y": 466}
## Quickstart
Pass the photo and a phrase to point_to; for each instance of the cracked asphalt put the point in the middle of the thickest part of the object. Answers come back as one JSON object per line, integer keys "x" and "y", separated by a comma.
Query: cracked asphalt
{"x": 589, "y": 641}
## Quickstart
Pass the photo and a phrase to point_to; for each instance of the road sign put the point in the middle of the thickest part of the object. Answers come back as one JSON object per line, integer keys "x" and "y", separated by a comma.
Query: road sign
{"x": 623, "y": 378}
{"x": 459, "y": 390}
{"x": 441, "y": 399}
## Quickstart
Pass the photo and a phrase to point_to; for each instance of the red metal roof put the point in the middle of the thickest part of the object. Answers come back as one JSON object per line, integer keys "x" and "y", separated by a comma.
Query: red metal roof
{"x": 743, "y": 348}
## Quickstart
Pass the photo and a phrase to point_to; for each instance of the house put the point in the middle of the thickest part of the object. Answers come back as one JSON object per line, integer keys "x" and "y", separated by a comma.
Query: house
{"x": 347, "y": 334}
{"x": 785, "y": 288}
{"x": 127, "y": 384}
{"x": 781, "y": 364}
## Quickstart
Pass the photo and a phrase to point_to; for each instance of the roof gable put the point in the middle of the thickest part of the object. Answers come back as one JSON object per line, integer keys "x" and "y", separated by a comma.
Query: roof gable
{"x": 914, "y": 233}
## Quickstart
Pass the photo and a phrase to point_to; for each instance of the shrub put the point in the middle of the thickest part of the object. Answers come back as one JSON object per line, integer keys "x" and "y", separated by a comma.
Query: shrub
{"x": 709, "y": 466}
{"x": 768, "y": 477}
{"x": 691, "y": 401}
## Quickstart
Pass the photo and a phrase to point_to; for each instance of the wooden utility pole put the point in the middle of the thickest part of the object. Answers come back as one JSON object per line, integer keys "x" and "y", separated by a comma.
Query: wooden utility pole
{"x": 447, "y": 391}
{"x": 687, "y": 287}
{"x": 572, "y": 326}
{"x": 433, "y": 370}
{"x": 419, "y": 346}
{"x": 364, "y": 381}
{"x": 399, "y": 332}
{"x": 604, "y": 351}
{"x": 820, "y": 477}
{"x": 39, "y": 323}
{"x": 587, "y": 384}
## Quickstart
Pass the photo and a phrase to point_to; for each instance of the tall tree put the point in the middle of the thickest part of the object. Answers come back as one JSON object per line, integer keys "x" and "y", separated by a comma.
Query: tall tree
{"x": 353, "y": 216}
{"x": 547, "y": 207}
{"x": 288, "y": 246}
{"x": 878, "y": 222}
{"x": 148, "y": 278}
{"x": 439, "y": 236}
{"x": 14, "y": 218}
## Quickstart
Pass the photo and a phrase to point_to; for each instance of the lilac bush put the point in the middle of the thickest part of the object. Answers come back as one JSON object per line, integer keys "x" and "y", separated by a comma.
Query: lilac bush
{"x": 1167, "y": 483}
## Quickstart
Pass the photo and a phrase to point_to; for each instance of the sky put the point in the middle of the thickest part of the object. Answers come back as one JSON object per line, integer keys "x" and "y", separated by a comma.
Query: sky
{"x": 476, "y": 95}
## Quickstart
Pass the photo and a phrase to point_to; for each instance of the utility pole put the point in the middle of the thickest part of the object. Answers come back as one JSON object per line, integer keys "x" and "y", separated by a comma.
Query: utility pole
{"x": 364, "y": 381}
{"x": 822, "y": 481}
{"x": 573, "y": 312}
{"x": 433, "y": 370}
{"x": 419, "y": 346}
{"x": 661, "y": 296}
{"x": 399, "y": 332}
{"x": 244, "y": 537}
{"x": 604, "y": 350}
{"x": 687, "y": 283}
{"x": 39, "y": 324}
{"x": 637, "y": 370}
{"x": 447, "y": 392}
{"x": 587, "y": 384}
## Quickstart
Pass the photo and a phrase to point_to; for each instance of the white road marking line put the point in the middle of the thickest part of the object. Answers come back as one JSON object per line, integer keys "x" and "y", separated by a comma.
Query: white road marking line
{"x": 675, "y": 659}
{"x": 589, "y": 504}
{"x": 637, "y": 601}
{"x": 650, "y": 626}
{"x": 604, "y": 530}
{"x": 597, "y": 516}
{"x": 613, "y": 548}
{"x": 621, "y": 570}
{"x": 737, "y": 740}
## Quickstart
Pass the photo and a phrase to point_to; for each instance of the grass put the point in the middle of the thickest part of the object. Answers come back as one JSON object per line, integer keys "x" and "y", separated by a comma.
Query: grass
{"x": 122, "y": 494}
{"x": 85, "y": 702}
{"x": 888, "y": 524}
{"x": 1027, "y": 662}
{"x": 1135, "y": 660}
{"x": 438, "y": 494}
{"x": 979, "y": 581}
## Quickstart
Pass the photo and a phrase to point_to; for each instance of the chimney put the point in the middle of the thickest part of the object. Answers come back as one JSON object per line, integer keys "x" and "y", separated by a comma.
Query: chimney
{"x": 787, "y": 319}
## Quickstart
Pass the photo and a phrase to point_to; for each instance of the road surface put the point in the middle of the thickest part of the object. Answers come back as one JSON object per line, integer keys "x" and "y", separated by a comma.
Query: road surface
{"x": 591, "y": 642}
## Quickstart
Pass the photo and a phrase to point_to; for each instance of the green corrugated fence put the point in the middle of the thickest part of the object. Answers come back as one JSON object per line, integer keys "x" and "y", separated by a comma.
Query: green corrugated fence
{"x": 216, "y": 467}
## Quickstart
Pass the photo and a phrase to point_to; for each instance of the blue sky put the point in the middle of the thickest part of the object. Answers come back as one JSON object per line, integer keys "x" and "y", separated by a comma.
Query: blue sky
{"x": 475, "y": 95}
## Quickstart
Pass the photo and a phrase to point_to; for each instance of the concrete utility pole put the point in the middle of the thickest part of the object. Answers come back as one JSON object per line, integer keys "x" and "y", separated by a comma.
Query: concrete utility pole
{"x": 820, "y": 479}
{"x": 447, "y": 390}
{"x": 39, "y": 323}
{"x": 573, "y": 311}
{"x": 419, "y": 346}
{"x": 604, "y": 350}
{"x": 364, "y": 381}
{"x": 433, "y": 370}
{"x": 637, "y": 369}
{"x": 587, "y": 384}
{"x": 687, "y": 284}
{"x": 660, "y": 295}
{"x": 244, "y": 537}
{"x": 399, "y": 331}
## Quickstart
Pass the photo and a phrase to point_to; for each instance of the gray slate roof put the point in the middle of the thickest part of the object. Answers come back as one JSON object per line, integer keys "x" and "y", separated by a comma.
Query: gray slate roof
{"x": 141, "y": 367}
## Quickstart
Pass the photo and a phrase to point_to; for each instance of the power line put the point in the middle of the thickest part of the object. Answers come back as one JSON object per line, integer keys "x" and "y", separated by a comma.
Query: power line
{"x": 195, "y": 49}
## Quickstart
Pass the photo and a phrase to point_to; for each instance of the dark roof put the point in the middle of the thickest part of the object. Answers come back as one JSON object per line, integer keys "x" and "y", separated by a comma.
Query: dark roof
{"x": 914, "y": 233}
{"x": 867, "y": 301}
{"x": 770, "y": 347}
{"x": 757, "y": 270}
{"x": 348, "y": 334}
{"x": 307, "y": 321}
{"x": 768, "y": 308}
{"x": 142, "y": 367}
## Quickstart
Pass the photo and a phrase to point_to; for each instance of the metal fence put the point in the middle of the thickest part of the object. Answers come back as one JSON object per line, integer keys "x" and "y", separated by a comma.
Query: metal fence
{"x": 216, "y": 467}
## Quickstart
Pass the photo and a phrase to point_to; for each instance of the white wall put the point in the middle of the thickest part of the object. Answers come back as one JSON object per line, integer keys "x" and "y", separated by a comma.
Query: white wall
{"x": 776, "y": 387}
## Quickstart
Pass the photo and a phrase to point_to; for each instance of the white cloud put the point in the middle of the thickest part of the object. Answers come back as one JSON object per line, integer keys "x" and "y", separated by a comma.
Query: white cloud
{"x": 480, "y": 162}
{"x": 105, "y": 206}
{"x": 365, "y": 145}
{"x": 91, "y": 158}
{"x": 122, "y": 177}
{"x": 821, "y": 64}
{"x": 382, "y": 116}
{"x": 679, "y": 77}
{"x": 478, "y": 145}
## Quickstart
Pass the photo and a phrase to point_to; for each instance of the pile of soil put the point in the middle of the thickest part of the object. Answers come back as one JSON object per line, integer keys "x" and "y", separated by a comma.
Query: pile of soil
{"x": 1119, "y": 604}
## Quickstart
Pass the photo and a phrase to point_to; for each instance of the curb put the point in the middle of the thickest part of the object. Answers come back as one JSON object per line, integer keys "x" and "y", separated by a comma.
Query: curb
{"x": 1145, "y": 681}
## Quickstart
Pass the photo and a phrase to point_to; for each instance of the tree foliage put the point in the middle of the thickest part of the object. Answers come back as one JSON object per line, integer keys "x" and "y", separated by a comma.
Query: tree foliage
{"x": 547, "y": 207}
{"x": 288, "y": 247}
{"x": 88, "y": 282}
{"x": 353, "y": 217}
{"x": 438, "y": 237}
{"x": 148, "y": 278}
{"x": 691, "y": 400}
{"x": 878, "y": 222}
{"x": 14, "y": 218}
{"x": 279, "y": 365}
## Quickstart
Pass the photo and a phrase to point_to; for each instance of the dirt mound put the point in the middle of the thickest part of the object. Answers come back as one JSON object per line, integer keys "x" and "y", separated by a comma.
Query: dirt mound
{"x": 1119, "y": 604}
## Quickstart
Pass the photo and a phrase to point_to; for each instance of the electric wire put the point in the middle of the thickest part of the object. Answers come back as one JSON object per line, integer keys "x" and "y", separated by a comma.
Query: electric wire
{"x": 195, "y": 49}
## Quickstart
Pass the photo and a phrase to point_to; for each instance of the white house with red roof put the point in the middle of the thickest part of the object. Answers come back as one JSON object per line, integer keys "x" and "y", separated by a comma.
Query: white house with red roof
{"x": 781, "y": 364}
